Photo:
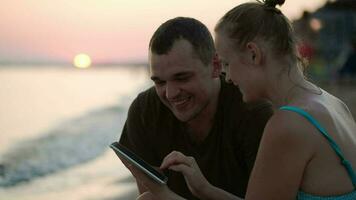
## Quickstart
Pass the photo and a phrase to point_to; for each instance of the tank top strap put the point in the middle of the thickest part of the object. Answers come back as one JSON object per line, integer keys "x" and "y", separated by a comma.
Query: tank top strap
{"x": 332, "y": 143}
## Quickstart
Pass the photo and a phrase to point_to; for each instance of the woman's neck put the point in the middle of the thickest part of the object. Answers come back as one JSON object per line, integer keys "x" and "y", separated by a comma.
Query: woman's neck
{"x": 288, "y": 86}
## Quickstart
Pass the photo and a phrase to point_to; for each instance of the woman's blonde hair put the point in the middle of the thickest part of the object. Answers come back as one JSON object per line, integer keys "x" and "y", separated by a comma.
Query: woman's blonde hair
{"x": 260, "y": 20}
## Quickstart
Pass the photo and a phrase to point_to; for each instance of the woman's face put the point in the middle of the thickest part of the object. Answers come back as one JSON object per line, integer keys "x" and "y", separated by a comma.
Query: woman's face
{"x": 239, "y": 67}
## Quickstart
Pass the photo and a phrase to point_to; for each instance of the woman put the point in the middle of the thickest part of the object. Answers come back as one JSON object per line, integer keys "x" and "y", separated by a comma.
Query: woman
{"x": 309, "y": 145}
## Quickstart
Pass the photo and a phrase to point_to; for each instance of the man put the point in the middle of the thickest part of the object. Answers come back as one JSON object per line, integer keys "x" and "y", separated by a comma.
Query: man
{"x": 192, "y": 109}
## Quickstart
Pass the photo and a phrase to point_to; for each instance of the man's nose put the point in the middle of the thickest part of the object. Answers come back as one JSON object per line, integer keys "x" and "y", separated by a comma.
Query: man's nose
{"x": 172, "y": 90}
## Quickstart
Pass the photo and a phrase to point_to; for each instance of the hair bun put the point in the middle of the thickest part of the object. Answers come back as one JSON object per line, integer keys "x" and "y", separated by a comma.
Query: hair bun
{"x": 273, "y": 3}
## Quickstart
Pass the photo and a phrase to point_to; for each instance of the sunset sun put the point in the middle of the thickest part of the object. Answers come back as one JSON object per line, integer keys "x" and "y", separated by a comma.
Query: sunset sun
{"x": 82, "y": 61}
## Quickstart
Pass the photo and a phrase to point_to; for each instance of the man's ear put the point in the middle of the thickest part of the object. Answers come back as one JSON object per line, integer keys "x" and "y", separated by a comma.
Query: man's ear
{"x": 216, "y": 66}
{"x": 255, "y": 53}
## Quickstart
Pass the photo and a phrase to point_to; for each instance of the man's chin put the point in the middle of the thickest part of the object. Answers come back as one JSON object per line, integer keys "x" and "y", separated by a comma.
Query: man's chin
{"x": 183, "y": 117}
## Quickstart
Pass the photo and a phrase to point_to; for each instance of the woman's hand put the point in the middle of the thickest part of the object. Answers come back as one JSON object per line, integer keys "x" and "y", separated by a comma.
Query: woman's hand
{"x": 194, "y": 178}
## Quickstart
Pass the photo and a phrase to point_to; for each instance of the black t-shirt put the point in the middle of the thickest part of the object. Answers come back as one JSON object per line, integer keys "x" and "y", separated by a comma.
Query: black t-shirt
{"x": 225, "y": 157}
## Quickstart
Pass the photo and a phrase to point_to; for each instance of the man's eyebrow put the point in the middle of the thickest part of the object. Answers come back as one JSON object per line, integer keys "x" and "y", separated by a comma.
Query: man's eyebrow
{"x": 177, "y": 75}
{"x": 155, "y": 78}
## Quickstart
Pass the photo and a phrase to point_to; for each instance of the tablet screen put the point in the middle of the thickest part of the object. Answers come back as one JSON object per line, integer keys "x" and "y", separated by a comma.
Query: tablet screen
{"x": 122, "y": 151}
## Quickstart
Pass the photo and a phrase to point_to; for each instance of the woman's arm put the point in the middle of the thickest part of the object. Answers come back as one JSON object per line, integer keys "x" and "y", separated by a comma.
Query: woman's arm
{"x": 282, "y": 157}
{"x": 194, "y": 178}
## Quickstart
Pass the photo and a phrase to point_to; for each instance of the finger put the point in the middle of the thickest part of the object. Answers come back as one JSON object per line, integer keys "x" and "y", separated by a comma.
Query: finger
{"x": 137, "y": 173}
{"x": 125, "y": 162}
{"x": 144, "y": 179}
{"x": 146, "y": 196}
{"x": 184, "y": 169}
{"x": 175, "y": 158}
{"x": 168, "y": 159}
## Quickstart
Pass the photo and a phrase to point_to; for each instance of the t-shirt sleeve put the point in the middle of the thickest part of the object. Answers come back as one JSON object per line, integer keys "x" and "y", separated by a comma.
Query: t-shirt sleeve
{"x": 254, "y": 125}
{"x": 134, "y": 134}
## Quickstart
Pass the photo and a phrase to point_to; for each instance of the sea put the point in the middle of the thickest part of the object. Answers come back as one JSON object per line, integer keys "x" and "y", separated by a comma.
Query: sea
{"x": 56, "y": 125}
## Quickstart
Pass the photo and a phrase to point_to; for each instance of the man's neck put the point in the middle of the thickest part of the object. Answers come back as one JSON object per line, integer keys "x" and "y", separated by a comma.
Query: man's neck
{"x": 200, "y": 126}
{"x": 200, "y": 129}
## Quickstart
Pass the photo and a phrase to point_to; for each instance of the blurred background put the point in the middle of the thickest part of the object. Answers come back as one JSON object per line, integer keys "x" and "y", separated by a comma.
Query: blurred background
{"x": 70, "y": 69}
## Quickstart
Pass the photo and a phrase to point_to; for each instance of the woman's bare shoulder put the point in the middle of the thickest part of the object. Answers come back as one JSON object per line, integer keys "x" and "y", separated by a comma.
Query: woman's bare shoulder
{"x": 289, "y": 128}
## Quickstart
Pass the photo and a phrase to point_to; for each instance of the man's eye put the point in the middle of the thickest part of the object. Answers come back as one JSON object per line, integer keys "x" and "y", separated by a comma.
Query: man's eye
{"x": 159, "y": 82}
{"x": 182, "y": 78}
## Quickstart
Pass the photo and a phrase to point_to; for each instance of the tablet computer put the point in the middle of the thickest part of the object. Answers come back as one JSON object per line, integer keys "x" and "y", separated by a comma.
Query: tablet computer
{"x": 125, "y": 153}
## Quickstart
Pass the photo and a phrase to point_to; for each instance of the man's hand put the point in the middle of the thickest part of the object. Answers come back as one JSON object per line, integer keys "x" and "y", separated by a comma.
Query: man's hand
{"x": 154, "y": 190}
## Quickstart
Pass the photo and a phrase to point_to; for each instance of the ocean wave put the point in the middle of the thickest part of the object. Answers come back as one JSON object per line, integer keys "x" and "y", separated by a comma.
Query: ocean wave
{"x": 74, "y": 142}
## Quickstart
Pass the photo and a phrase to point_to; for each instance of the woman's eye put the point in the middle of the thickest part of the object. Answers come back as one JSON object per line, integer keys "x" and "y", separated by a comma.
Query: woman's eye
{"x": 224, "y": 65}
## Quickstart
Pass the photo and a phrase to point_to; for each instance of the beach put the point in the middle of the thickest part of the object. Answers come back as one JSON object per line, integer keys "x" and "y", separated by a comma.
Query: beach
{"x": 56, "y": 127}
{"x": 57, "y": 124}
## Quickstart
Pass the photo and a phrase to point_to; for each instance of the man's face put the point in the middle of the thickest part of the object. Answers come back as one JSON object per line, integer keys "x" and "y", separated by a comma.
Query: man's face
{"x": 183, "y": 83}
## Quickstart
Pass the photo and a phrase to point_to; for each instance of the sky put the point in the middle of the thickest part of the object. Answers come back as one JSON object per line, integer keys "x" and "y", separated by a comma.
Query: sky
{"x": 107, "y": 30}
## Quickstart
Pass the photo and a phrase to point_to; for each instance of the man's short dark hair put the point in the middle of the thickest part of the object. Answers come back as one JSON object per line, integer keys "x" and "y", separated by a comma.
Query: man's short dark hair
{"x": 192, "y": 30}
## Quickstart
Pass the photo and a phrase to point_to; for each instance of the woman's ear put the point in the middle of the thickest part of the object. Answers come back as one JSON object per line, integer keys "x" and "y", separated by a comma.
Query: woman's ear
{"x": 254, "y": 53}
{"x": 216, "y": 66}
